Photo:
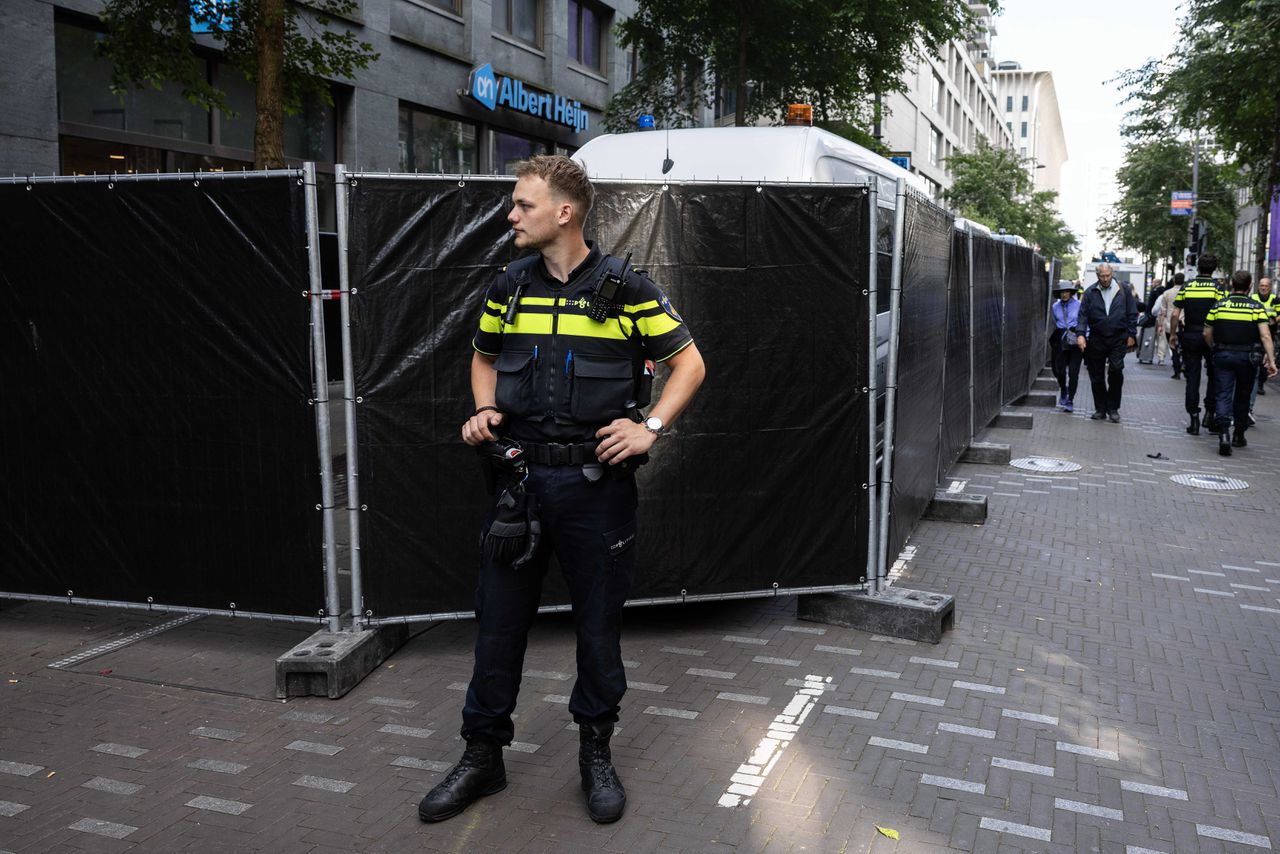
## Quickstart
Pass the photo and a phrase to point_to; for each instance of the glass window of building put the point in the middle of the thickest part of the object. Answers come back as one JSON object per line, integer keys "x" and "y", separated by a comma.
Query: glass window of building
{"x": 447, "y": 5}
{"x": 80, "y": 156}
{"x": 1024, "y": 130}
{"x": 520, "y": 18}
{"x": 1025, "y": 101}
{"x": 935, "y": 146}
{"x": 85, "y": 97}
{"x": 939, "y": 95}
{"x": 309, "y": 135}
{"x": 507, "y": 149}
{"x": 432, "y": 143}
{"x": 586, "y": 34}
{"x": 1008, "y": 104}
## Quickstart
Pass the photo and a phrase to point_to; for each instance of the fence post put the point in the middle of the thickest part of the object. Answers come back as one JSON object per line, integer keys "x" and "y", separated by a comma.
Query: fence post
{"x": 332, "y": 602}
{"x": 891, "y": 374}
{"x": 873, "y": 582}
{"x": 349, "y": 401}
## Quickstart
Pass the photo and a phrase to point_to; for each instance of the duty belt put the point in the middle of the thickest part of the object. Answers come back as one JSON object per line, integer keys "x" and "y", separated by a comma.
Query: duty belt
{"x": 1235, "y": 348}
{"x": 555, "y": 454}
{"x": 1193, "y": 329}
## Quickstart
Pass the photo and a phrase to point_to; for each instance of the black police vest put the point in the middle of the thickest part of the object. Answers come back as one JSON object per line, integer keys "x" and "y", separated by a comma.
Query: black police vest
{"x": 562, "y": 373}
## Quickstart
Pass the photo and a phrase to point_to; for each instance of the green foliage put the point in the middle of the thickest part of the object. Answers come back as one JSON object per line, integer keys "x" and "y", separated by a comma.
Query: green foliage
{"x": 991, "y": 185}
{"x": 149, "y": 43}
{"x": 1140, "y": 219}
{"x": 1070, "y": 268}
{"x": 834, "y": 54}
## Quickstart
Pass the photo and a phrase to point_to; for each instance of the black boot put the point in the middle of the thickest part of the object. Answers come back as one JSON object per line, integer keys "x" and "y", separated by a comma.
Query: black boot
{"x": 1238, "y": 440}
{"x": 1194, "y": 427}
{"x": 478, "y": 773}
{"x": 606, "y": 798}
{"x": 1224, "y": 443}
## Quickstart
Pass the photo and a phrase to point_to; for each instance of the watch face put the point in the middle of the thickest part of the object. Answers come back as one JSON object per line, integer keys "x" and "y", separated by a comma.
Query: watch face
{"x": 653, "y": 423}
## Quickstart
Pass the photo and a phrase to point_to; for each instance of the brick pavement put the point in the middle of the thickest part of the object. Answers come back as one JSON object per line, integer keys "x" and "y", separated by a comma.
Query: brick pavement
{"x": 1111, "y": 684}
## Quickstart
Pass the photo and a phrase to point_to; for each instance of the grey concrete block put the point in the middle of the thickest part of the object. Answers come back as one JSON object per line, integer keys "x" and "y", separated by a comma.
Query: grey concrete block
{"x": 1014, "y": 420}
{"x": 957, "y": 507}
{"x": 895, "y": 611}
{"x": 329, "y": 664}
{"x": 987, "y": 453}
{"x": 1037, "y": 398}
{"x": 1045, "y": 384}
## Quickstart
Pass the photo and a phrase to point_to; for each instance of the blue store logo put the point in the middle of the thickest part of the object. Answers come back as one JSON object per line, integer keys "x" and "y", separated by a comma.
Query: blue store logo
{"x": 484, "y": 86}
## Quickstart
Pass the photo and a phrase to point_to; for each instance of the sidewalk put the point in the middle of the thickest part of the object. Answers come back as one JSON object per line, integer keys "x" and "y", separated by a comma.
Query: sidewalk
{"x": 1112, "y": 684}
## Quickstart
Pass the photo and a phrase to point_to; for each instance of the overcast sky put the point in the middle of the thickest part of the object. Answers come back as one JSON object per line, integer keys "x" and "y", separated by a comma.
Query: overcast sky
{"x": 1085, "y": 43}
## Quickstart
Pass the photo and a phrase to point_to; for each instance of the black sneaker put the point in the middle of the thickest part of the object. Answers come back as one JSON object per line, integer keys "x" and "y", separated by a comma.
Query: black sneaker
{"x": 1113, "y": 416}
{"x": 1098, "y": 416}
{"x": 1224, "y": 444}
{"x": 1238, "y": 440}
{"x": 478, "y": 773}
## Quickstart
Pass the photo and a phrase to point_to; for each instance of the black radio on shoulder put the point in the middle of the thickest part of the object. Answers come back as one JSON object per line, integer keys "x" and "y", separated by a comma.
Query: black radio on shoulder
{"x": 605, "y": 301}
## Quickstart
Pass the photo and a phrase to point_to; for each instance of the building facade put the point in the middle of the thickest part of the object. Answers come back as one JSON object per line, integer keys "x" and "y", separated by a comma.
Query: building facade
{"x": 1249, "y": 224}
{"x": 948, "y": 103}
{"x": 1029, "y": 103}
{"x": 460, "y": 86}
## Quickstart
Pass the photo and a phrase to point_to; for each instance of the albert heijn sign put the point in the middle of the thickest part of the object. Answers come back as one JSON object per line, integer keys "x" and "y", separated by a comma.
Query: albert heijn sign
{"x": 514, "y": 94}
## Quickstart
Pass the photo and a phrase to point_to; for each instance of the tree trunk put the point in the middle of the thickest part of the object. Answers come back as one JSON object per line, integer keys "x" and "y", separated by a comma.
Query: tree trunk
{"x": 740, "y": 106}
{"x": 1268, "y": 195}
{"x": 268, "y": 133}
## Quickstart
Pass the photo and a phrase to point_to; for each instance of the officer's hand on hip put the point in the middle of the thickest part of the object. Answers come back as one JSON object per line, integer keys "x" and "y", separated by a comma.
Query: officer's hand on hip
{"x": 481, "y": 427}
{"x": 622, "y": 438}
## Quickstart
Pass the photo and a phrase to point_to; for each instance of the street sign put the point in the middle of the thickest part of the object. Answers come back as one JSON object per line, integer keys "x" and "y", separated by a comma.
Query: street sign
{"x": 1180, "y": 203}
{"x": 902, "y": 158}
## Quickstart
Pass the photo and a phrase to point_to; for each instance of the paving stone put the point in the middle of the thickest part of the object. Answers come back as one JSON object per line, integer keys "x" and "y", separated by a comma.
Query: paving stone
{"x": 98, "y": 827}
{"x": 324, "y": 784}
{"x": 217, "y": 765}
{"x": 411, "y": 731}
{"x": 222, "y": 805}
{"x": 314, "y": 747}
{"x": 8, "y": 809}
{"x": 19, "y": 769}
{"x": 218, "y": 734}
{"x": 116, "y": 787}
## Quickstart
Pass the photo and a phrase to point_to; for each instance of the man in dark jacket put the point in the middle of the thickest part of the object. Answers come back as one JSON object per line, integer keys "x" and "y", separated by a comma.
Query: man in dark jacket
{"x": 1109, "y": 317}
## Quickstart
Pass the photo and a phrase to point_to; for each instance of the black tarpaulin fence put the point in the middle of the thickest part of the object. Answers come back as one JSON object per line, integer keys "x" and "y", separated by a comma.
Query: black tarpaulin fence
{"x": 1022, "y": 317}
{"x": 157, "y": 445}
{"x": 956, "y": 429}
{"x": 1037, "y": 318}
{"x": 988, "y": 329}
{"x": 922, "y": 352}
{"x": 761, "y": 486}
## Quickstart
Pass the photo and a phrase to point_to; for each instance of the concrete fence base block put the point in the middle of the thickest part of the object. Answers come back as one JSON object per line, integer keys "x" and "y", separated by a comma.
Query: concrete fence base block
{"x": 1037, "y": 398}
{"x": 957, "y": 507}
{"x": 1049, "y": 384}
{"x": 987, "y": 453}
{"x": 895, "y": 611}
{"x": 1014, "y": 420}
{"x": 329, "y": 664}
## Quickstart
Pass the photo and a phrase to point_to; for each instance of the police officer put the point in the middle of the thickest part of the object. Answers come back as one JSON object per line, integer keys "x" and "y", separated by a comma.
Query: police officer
{"x": 1235, "y": 329}
{"x": 1272, "y": 304}
{"x": 556, "y": 368}
{"x": 1191, "y": 306}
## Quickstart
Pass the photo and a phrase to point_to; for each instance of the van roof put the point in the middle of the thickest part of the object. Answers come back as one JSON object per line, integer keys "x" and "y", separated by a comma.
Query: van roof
{"x": 771, "y": 154}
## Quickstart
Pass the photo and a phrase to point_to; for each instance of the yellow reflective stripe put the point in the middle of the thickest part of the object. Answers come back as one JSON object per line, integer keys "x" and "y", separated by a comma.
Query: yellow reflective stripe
{"x": 658, "y": 324}
{"x": 528, "y": 323}
{"x": 1246, "y": 314}
{"x": 538, "y": 300}
{"x": 490, "y": 323}
{"x": 496, "y": 306}
{"x": 584, "y": 327}
{"x": 676, "y": 350}
{"x": 644, "y": 306}
{"x": 482, "y": 352}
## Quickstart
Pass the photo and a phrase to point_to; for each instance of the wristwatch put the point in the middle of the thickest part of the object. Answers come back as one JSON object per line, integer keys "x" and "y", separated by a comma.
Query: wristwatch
{"x": 654, "y": 425}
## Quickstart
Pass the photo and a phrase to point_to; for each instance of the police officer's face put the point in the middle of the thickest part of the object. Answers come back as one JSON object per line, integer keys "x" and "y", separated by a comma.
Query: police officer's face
{"x": 1264, "y": 287}
{"x": 535, "y": 216}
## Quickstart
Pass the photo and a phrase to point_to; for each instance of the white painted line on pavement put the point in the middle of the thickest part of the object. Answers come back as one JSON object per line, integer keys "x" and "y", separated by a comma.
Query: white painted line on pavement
{"x": 916, "y": 698}
{"x": 1240, "y": 568}
{"x": 953, "y": 783}
{"x": 1170, "y": 577}
{"x": 751, "y": 775}
{"x": 1015, "y": 765}
{"x": 103, "y": 649}
{"x": 1043, "y": 834}
{"x": 1250, "y": 587}
{"x": 966, "y": 730}
{"x": 1088, "y": 809}
{"x": 978, "y": 686}
{"x": 1209, "y": 592}
{"x": 1051, "y": 720}
{"x": 851, "y": 713}
{"x": 1260, "y": 608}
{"x": 1081, "y": 750}
{"x": 894, "y": 744}
{"x": 1206, "y": 572}
{"x": 1228, "y": 835}
{"x": 933, "y": 662}
{"x": 1158, "y": 791}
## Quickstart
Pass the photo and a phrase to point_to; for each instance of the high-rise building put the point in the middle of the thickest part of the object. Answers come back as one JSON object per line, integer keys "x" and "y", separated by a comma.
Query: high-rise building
{"x": 1029, "y": 105}
{"x": 948, "y": 104}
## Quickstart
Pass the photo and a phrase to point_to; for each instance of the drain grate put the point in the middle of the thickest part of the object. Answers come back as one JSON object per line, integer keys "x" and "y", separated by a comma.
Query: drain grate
{"x": 1044, "y": 464}
{"x": 1209, "y": 481}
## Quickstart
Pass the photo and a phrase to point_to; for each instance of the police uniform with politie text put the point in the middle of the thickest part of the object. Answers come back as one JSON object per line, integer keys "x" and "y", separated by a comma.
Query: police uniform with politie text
{"x": 1236, "y": 329}
{"x": 568, "y": 341}
{"x": 1192, "y": 306}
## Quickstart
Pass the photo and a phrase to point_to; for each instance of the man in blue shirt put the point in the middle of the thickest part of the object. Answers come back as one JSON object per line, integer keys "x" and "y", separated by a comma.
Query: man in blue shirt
{"x": 1066, "y": 354}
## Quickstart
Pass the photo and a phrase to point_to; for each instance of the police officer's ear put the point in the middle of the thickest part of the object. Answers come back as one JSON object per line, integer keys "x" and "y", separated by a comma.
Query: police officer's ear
{"x": 564, "y": 212}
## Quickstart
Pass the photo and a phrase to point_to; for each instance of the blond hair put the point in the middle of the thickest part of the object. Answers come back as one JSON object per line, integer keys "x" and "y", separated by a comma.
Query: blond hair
{"x": 565, "y": 178}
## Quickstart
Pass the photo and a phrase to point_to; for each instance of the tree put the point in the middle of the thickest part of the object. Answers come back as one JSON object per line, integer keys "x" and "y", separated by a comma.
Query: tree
{"x": 991, "y": 185}
{"x": 150, "y": 43}
{"x": 834, "y": 54}
{"x": 1225, "y": 81}
{"x": 1140, "y": 219}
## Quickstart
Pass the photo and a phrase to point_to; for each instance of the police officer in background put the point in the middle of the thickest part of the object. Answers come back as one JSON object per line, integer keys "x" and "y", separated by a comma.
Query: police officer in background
{"x": 1236, "y": 329}
{"x": 1272, "y": 304}
{"x": 1191, "y": 307}
{"x": 560, "y": 354}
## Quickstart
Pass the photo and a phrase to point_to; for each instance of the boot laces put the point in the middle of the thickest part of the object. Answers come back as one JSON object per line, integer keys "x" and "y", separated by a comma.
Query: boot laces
{"x": 476, "y": 755}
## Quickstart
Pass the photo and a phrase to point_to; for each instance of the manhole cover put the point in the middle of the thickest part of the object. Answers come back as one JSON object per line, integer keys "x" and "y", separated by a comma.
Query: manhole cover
{"x": 1044, "y": 464}
{"x": 1209, "y": 481}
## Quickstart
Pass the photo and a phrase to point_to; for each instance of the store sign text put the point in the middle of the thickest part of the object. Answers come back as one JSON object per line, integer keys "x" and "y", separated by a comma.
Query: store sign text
{"x": 493, "y": 91}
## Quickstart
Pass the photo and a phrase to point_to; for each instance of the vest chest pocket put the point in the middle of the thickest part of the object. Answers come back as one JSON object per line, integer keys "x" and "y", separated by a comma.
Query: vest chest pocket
{"x": 602, "y": 387}
{"x": 517, "y": 389}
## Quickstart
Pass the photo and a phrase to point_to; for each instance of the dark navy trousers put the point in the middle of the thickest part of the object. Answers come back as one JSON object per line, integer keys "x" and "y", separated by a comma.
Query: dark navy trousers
{"x": 591, "y": 529}
{"x": 1235, "y": 376}
{"x": 1195, "y": 356}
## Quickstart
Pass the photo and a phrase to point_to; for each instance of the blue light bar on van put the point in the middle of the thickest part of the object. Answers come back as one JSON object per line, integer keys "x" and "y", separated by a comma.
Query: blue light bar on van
{"x": 646, "y": 122}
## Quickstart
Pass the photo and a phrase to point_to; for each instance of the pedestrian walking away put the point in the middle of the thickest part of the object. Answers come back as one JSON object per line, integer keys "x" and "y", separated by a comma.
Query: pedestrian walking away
{"x": 567, "y": 344}
{"x": 1109, "y": 319}
{"x": 1164, "y": 345}
{"x": 1066, "y": 352}
{"x": 1236, "y": 329}
{"x": 1190, "y": 308}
